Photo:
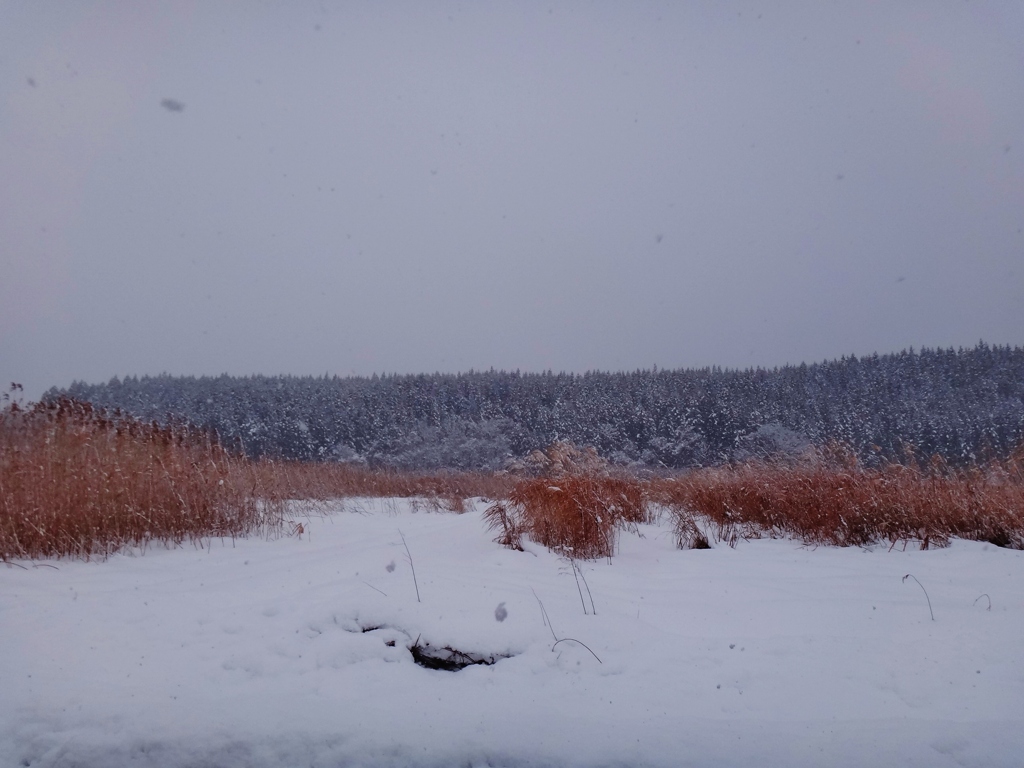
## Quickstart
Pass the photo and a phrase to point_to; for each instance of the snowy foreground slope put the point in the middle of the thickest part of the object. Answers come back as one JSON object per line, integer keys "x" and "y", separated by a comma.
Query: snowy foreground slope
{"x": 275, "y": 653}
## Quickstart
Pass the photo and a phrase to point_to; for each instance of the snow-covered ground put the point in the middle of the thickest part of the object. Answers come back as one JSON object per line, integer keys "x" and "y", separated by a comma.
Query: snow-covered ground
{"x": 295, "y": 652}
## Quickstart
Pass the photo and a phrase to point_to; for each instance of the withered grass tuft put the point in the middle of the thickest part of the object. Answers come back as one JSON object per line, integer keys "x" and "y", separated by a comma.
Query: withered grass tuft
{"x": 78, "y": 482}
{"x": 842, "y": 504}
{"x": 576, "y": 515}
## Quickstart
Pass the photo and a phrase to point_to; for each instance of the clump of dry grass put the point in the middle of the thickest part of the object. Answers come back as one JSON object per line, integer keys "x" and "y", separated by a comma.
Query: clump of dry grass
{"x": 837, "y": 502}
{"x": 576, "y": 515}
{"x": 79, "y": 482}
{"x": 508, "y": 522}
{"x": 76, "y": 481}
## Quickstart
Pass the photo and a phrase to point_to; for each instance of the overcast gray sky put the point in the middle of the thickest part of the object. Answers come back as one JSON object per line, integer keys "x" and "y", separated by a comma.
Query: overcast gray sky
{"x": 287, "y": 187}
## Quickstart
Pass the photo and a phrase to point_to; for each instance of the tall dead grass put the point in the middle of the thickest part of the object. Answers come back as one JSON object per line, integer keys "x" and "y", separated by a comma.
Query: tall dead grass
{"x": 843, "y": 504}
{"x": 77, "y": 482}
{"x": 576, "y": 515}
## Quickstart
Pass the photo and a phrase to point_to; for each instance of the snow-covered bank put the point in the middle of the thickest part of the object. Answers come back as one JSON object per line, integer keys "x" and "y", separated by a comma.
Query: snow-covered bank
{"x": 276, "y": 653}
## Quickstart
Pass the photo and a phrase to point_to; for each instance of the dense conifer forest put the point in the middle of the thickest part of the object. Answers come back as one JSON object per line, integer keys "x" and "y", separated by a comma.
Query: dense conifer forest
{"x": 964, "y": 405}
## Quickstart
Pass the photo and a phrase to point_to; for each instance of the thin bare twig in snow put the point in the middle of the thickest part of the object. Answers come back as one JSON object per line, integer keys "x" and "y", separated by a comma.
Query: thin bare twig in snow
{"x": 912, "y": 576}
{"x": 408, "y": 555}
{"x": 547, "y": 622}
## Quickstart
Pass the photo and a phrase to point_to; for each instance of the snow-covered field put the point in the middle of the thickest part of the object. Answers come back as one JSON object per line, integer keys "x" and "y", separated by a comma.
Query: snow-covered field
{"x": 295, "y": 652}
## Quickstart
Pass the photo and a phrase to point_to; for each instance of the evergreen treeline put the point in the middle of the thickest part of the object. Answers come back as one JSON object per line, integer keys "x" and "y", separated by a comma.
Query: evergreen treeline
{"x": 964, "y": 405}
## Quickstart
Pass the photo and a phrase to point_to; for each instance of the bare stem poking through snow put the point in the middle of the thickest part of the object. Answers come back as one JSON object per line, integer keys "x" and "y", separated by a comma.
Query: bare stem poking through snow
{"x": 912, "y": 576}
{"x": 408, "y": 556}
{"x": 547, "y": 622}
{"x": 577, "y": 572}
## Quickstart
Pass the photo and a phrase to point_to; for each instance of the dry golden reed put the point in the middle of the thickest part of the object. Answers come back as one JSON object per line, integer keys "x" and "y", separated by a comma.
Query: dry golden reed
{"x": 843, "y": 504}
{"x": 578, "y": 515}
{"x": 77, "y": 482}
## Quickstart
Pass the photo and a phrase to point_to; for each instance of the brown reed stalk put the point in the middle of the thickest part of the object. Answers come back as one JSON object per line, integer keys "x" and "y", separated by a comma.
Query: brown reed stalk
{"x": 76, "y": 481}
{"x": 79, "y": 482}
{"x": 576, "y": 515}
{"x": 842, "y": 504}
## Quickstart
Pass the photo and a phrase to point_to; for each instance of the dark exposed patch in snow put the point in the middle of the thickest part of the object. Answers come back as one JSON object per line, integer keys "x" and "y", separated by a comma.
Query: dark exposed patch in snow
{"x": 450, "y": 659}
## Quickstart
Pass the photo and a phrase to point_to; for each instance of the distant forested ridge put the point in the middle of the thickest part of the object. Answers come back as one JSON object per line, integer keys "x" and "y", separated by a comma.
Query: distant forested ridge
{"x": 964, "y": 405}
